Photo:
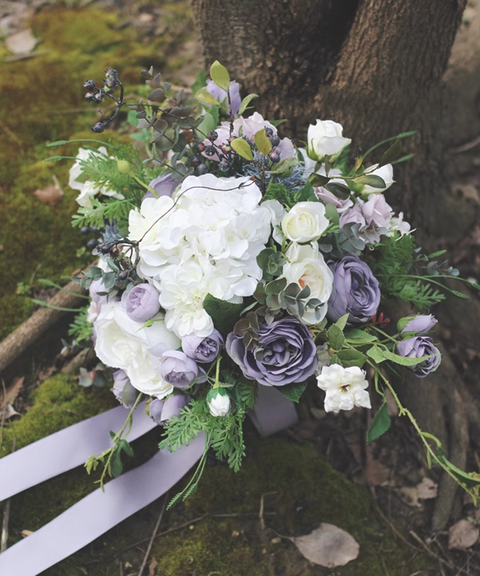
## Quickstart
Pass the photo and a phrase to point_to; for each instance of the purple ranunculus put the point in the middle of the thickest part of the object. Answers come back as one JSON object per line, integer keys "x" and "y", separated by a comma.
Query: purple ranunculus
{"x": 178, "y": 369}
{"x": 420, "y": 324}
{"x": 172, "y": 406}
{"x": 203, "y": 349}
{"x": 123, "y": 390}
{"x": 221, "y": 95}
{"x": 156, "y": 409}
{"x": 285, "y": 353}
{"x": 355, "y": 290}
{"x": 141, "y": 303}
{"x": 417, "y": 347}
{"x": 164, "y": 185}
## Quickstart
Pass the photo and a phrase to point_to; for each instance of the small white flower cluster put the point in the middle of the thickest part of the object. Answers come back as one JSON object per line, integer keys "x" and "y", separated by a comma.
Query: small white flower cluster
{"x": 204, "y": 240}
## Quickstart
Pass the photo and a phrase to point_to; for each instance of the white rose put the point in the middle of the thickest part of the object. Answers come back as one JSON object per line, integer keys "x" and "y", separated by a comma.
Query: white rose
{"x": 325, "y": 138}
{"x": 306, "y": 267}
{"x": 305, "y": 222}
{"x": 124, "y": 344}
{"x": 385, "y": 172}
{"x": 218, "y": 403}
{"x": 344, "y": 387}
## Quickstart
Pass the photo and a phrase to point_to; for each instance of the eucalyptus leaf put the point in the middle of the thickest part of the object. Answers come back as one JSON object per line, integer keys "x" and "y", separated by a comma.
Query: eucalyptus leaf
{"x": 380, "y": 424}
{"x": 341, "y": 191}
{"x": 219, "y": 74}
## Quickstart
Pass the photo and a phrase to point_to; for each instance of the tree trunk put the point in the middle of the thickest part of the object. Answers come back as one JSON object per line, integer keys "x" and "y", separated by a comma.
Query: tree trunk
{"x": 375, "y": 66}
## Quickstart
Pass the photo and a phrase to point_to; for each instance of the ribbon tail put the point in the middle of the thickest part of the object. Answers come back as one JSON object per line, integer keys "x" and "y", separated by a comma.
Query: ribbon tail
{"x": 99, "y": 511}
{"x": 66, "y": 449}
{"x": 272, "y": 412}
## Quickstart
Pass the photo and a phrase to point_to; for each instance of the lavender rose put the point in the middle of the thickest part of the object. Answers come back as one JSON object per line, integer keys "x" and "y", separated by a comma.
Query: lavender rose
{"x": 141, "y": 303}
{"x": 285, "y": 353}
{"x": 420, "y": 324}
{"x": 221, "y": 95}
{"x": 163, "y": 185}
{"x": 355, "y": 290}
{"x": 156, "y": 409}
{"x": 123, "y": 390}
{"x": 178, "y": 369}
{"x": 202, "y": 349}
{"x": 417, "y": 347}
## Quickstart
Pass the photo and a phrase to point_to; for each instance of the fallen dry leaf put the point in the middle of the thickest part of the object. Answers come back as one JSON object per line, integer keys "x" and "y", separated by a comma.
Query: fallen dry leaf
{"x": 12, "y": 391}
{"x": 50, "y": 195}
{"x": 376, "y": 473}
{"x": 328, "y": 546}
{"x": 426, "y": 489}
{"x": 8, "y": 412}
{"x": 22, "y": 42}
{"x": 462, "y": 535}
{"x": 26, "y": 533}
{"x": 151, "y": 568}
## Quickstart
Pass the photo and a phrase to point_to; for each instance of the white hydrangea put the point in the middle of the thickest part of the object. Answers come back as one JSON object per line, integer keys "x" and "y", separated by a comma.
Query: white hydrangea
{"x": 88, "y": 189}
{"x": 344, "y": 387}
{"x": 205, "y": 239}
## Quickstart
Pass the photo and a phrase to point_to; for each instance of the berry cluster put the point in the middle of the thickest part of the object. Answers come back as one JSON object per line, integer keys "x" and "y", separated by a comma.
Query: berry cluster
{"x": 97, "y": 95}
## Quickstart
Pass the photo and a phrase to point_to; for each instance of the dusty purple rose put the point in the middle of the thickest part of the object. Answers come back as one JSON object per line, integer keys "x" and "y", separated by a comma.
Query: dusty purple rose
{"x": 123, "y": 390}
{"x": 221, "y": 95}
{"x": 420, "y": 324}
{"x": 417, "y": 347}
{"x": 355, "y": 290}
{"x": 285, "y": 353}
{"x": 141, "y": 303}
{"x": 368, "y": 220}
{"x": 162, "y": 411}
{"x": 163, "y": 185}
{"x": 178, "y": 369}
{"x": 203, "y": 349}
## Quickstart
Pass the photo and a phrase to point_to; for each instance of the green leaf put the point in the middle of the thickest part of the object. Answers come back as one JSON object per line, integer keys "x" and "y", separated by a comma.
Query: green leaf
{"x": 332, "y": 214}
{"x": 200, "y": 81}
{"x": 284, "y": 166}
{"x": 391, "y": 154}
{"x": 471, "y": 480}
{"x": 242, "y": 148}
{"x": 371, "y": 180}
{"x": 398, "y": 136}
{"x": 335, "y": 337}
{"x": 380, "y": 424}
{"x": 219, "y": 74}
{"x": 318, "y": 180}
{"x": 224, "y": 314}
{"x": 204, "y": 96}
{"x": 402, "y": 360}
{"x": 306, "y": 194}
{"x": 347, "y": 358}
{"x": 293, "y": 391}
{"x": 208, "y": 123}
{"x": 460, "y": 295}
{"x": 339, "y": 190}
{"x": 262, "y": 142}
{"x": 116, "y": 466}
{"x": 342, "y": 321}
{"x": 375, "y": 354}
{"x": 245, "y": 102}
{"x": 359, "y": 337}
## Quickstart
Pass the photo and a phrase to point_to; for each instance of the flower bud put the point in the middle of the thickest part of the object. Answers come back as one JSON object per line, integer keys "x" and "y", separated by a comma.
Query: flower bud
{"x": 141, "y": 303}
{"x": 156, "y": 409}
{"x": 123, "y": 166}
{"x": 123, "y": 390}
{"x": 218, "y": 402}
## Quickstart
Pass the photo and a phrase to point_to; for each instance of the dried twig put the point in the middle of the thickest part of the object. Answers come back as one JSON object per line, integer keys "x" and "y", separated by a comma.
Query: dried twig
{"x": 155, "y": 530}
{"x": 260, "y": 513}
{"x": 432, "y": 553}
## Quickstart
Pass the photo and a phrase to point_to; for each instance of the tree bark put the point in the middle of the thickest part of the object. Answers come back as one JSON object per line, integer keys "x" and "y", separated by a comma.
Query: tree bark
{"x": 375, "y": 66}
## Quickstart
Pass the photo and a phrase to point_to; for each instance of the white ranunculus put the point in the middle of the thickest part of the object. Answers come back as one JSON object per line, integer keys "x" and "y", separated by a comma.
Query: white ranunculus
{"x": 385, "y": 172}
{"x": 125, "y": 344}
{"x": 305, "y": 222}
{"x": 306, "y": 267}
{"x": 344, "y": 387}
{"x": 87, "y": 188}
{"x": 325, "y": 138}
{"x": 219, "y": 403}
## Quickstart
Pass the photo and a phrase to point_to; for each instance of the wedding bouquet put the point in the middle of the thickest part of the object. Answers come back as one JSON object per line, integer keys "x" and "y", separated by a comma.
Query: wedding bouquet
{"x": 231, "y": 259}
